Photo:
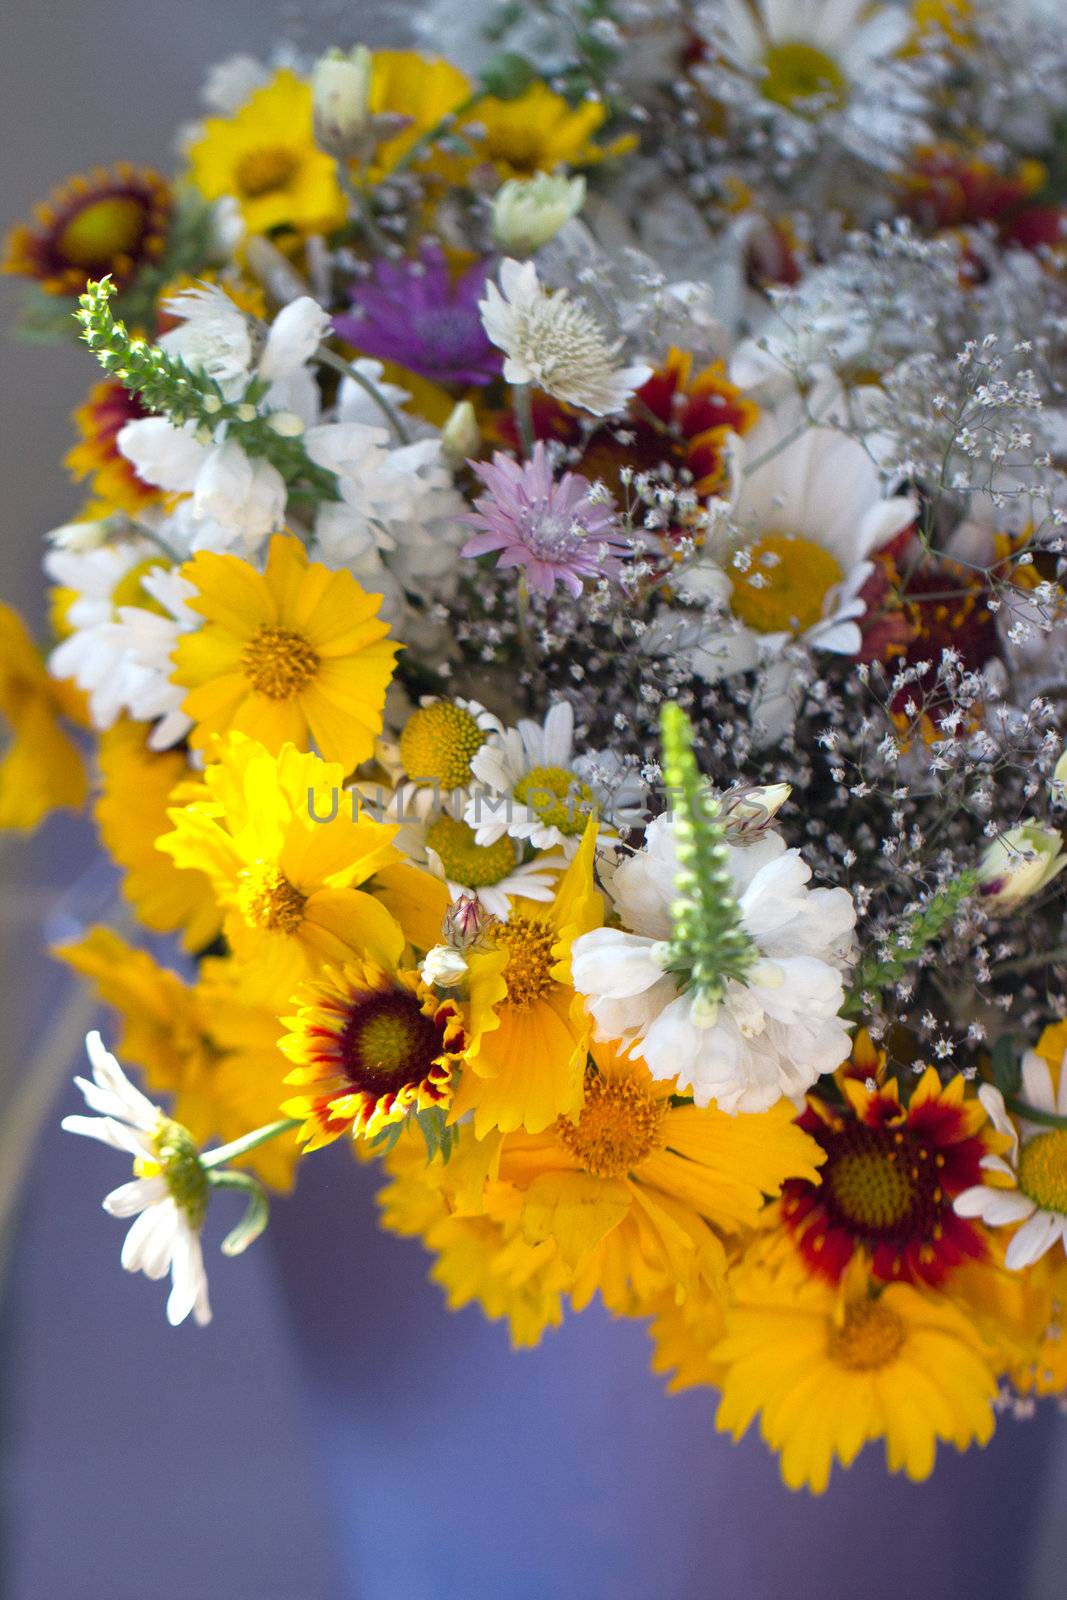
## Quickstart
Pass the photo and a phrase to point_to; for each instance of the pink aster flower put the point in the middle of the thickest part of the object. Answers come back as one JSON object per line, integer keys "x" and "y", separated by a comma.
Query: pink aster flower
{"x": 559, "y": 532}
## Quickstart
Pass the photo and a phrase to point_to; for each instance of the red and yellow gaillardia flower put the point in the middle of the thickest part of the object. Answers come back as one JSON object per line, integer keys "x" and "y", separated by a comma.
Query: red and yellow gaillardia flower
{"x": 369, "y": 1044}
{"x": 111, "y": 222}
{"x": 294, "y": 650}
{"x": 112, "y": 479}
{"x": 890, "y": 1174}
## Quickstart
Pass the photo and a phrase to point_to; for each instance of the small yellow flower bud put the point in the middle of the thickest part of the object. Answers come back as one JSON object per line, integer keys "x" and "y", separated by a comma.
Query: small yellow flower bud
{"x": 461, "y": 435}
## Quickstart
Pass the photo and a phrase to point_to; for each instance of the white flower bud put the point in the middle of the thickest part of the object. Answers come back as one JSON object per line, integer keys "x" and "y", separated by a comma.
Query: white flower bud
{"x": 1019, "y": 863}
{"x": 527, "y": 212}
{"x": 461, "y": 435}
{"x": 341, "y": 96}
{"x": 1059, "y": 781}
{"x": 444, "y": 966}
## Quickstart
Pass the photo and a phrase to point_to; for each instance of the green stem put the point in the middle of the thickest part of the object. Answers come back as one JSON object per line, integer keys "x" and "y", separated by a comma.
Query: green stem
{"x": 363, "y": 210}
{"x": 328, "y": 359}
{"x": 257, "y": 1213}
{"x": 247, "y": 1142}
{"x": 1019, "y": 1108}
{"x": 1046, "y": 958}
{"x": 522, "y": 405}
{"x": 446, "y": 123}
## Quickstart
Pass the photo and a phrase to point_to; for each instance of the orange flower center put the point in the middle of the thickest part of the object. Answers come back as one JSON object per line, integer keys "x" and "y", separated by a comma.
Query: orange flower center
{"x": 618, "y": 1126}
{"x": 262, "y": 171}
{"x": 785, "y": 587}
{"x": 268, "y": 900}
{"x": 279, "y": 663}
{"x": 871, "y": 1336}
{"x": 528, "y": 973}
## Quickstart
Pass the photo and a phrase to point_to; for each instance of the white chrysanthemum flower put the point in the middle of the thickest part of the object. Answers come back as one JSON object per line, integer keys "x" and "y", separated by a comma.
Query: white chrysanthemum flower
{"x": 534, "y": 787}
{"x": 216, "y": 337}
{"x": 244, "y": 496}
{"x": 1029, "y": 1182}
{"x": 94, "y": 655}
{"x": 147, "y": 640}
{"x": 553, "y": 342}
{"x": 772, "y": 1035}
{"x": 168, "y": 1195}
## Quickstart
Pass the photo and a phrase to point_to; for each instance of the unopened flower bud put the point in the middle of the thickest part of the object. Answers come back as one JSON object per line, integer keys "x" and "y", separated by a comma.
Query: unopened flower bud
{"x": 527, "y": 212}
{"x": 749, "y": 810}
{"x": 443, "y": 966}
{"x": 1059, "y": 781}
{"x": 341, "y": 97}
{"x": 1019, "y": 863}
{"x": 461, "y": 435}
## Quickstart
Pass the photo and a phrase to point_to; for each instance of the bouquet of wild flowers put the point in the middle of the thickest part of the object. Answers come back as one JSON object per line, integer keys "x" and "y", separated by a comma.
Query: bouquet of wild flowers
{"x": 570, "y": 613}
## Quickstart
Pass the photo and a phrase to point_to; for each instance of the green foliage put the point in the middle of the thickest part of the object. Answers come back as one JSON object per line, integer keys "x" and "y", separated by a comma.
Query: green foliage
{"x": 918, "y": 932}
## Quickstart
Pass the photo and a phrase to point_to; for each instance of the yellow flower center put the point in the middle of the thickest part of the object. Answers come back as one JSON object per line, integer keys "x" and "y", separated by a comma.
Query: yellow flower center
{"x": 619, "y": 1125}
{"x": 871, "y": 1336}
{"x": 279, "y": 663}
{"x": 871, "y": 1188}
{"x": 785, "y": 588}
{"x": 268, "y": 900}
{"x": 475, "y": 866}
{"x": 528, "y": 973}
{"x": 438, "y": 742}
{"x": 1043, "y": 1169}
{"x": 556, "y": 797}
{"x": 798, "y": 72}
{"x": 264, "y": 170}
{"x": 130, "y": 590}
{"x": 101, "y": 230}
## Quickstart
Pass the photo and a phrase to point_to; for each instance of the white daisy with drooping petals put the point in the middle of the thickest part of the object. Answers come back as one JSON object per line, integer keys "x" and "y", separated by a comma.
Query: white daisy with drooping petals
{"x": 1028, "y": 1183}
{"x": 167, "y": 1197}
{"x": 772, "y": 1035}
{"x": 532, "y": 786}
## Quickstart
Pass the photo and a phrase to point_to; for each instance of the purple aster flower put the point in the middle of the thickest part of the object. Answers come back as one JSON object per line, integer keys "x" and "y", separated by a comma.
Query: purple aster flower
{"x": 557, "y": 531}
{"x": 411, "y": 312}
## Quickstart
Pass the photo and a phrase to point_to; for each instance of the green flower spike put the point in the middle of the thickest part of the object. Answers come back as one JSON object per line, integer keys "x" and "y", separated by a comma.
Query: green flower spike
{"x": 168, "y": 387}
{"x": 708, "y": 943}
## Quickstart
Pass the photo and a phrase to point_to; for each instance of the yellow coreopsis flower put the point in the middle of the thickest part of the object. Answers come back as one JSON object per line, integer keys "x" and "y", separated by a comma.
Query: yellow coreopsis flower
{"x": 41, "y": 770}
{"x": 277, "y": 838}
{"x": 634, "y": 1191}
{"x": 137, "y": 786}
{"x": 295, "y": 649}
{"x": 266, "y": 157}
{"x": 529, "y": 1030}
{"x": 212, "y": 1046}
{"x": 829, "y": 1370}
{"x": 420, "y": 91}
{"x": 540, "y": 131}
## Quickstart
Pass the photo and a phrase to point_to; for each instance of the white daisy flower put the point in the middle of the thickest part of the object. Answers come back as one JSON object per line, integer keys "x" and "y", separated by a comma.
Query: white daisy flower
{"x": 773, "y": 1034}
{"x": 168, "y": 1195}
{"x": 1029, "y": 1184}
{"x": 532, "y": 786}
{"x": 147, "y": 640}
{"x": 554, "y": 343}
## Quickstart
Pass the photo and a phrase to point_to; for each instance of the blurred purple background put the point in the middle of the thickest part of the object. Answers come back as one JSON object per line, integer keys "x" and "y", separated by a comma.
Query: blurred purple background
{"x": 336, "y": 1434}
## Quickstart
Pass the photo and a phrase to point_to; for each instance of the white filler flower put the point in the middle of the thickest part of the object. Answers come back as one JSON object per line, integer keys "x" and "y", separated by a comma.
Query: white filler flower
{"x": 168, "y": 1194}
{"x": 774, "y": 1033}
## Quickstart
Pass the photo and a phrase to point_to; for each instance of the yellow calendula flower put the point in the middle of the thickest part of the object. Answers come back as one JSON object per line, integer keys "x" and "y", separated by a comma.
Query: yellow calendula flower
{"x": 41, "y": 768}
{"x": 212, "y": 1046}
{"x": 829, "y": 1370}
{"x": 634, "y": 1191}
{"x": 529, "y": 1030}
{"x": 278, "y": 840}
{"x": 369, "y": 1044}
{"x": 266, "y": 157}
{"x": 136, "y": 787}
{"x": 540, "y": 131}
{"x": 475, "y": 1262}
{"x": 295, "y": 649}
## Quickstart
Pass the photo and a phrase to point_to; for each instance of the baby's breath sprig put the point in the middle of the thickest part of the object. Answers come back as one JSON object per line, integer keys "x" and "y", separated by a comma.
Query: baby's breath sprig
{"x": 165, "y": 385}
{"x": 708, "y": 944}
{"x": 877, "y": 973}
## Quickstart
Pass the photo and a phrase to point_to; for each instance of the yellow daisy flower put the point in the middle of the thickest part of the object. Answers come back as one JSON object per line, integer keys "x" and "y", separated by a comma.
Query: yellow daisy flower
{"x": 41, "y": 768}
{"x": 211, "y": 1046}
{"x": 422, "y": 90}
{"x": 295, "y": 648}
{"x": 287, "y": 882}
{"x": 266, "y": 157}
{"x": 540, "y": 131}
{"x": 829, "y": 1370}
{"x": 137, "y": 786}
{"x": 529, "y": 1030}
{"x": 474, "y": 1260}
{"x": 370, "y": 1044}
{"x": 634, "y": 1191}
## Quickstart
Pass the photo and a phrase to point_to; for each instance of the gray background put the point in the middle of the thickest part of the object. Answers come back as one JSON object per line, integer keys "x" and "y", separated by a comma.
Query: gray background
{"x": 336, "y": 1434}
